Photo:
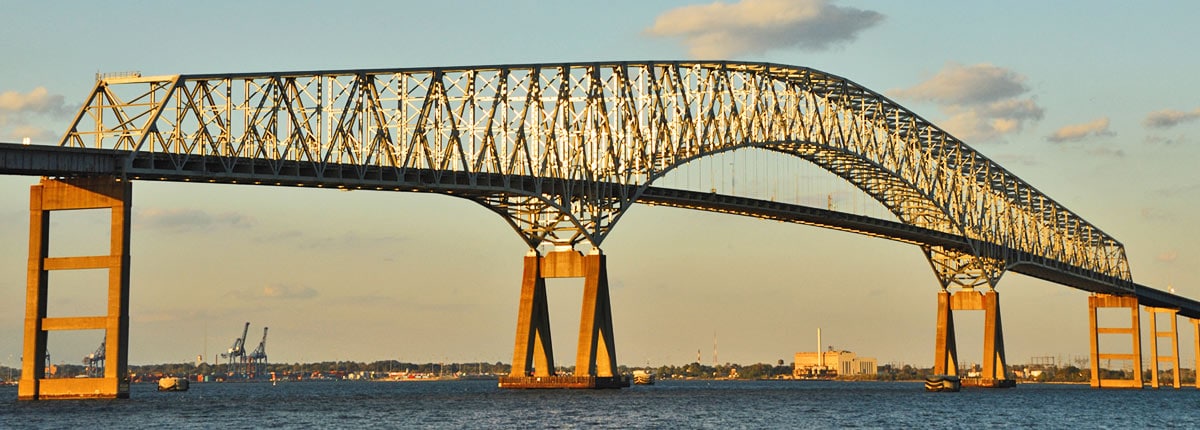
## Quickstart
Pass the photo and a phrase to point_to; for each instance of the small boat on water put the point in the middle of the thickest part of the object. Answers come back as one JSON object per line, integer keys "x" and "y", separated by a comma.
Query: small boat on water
{"x": 947, "y": 383}
{"x": 642, "y": 377}
{"x": 172, "y": 383}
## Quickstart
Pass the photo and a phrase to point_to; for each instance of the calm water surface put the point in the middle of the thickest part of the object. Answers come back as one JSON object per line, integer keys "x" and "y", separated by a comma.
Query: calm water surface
{"x": 669, "y": 404}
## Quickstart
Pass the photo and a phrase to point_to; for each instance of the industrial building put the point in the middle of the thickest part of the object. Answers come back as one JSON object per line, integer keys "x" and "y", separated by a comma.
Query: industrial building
{"x": 843, "y": 363}
{"x": 831, "y": 363}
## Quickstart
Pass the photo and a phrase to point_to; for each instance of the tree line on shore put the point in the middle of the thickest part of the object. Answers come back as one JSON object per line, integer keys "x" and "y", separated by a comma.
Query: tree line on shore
{"x": 694, "y": 370}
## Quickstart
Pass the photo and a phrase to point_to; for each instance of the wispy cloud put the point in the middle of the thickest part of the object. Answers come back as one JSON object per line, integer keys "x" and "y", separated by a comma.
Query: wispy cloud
{"x": 1169, "y": 118}
{"x": 1018, "y": 159}
{"x": 1155, "y": 214}
{"x": 1106, "y": 152}
{"x": 19, "y": 111}
{"x": 1154, "y": 139}
{"x": 1077, "y": 132}
{"x": 1168, "y": 256}
{"x": 721, "y": 30}
{"x": 277, "y": 291}
{"x": 1177, "y": 190}
{"x": 354, "y": 240}
{"x": 181, "y": 220}
{"x": 983, "y": 102}
{"x": 288, "y": 292}
{"x": 167, "y": 313}
{"x": 34, "y": 133}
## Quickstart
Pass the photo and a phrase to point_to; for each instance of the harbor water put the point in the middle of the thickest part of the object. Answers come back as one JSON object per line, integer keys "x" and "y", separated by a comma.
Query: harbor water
{"x": 667, "y": 404}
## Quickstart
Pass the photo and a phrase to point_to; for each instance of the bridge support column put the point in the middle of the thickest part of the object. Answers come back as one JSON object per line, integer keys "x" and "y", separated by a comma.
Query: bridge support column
{"x": 70, "y": 194}
{"x": 945, "y": 350}
{"x": 533, "y": 356}
{"x": 1196, "y": 334}
{"x": 1173, "y": 334}
{"x": 1095, "y": 302}
{"x": 995, "y": 370}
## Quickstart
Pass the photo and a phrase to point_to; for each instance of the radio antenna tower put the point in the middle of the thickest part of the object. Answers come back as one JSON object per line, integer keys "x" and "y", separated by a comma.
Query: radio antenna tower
{"x": 715, "y": 362}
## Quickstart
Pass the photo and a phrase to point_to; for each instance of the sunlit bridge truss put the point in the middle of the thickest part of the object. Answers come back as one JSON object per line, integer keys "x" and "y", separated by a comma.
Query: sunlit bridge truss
{"x": 562, "y": 150}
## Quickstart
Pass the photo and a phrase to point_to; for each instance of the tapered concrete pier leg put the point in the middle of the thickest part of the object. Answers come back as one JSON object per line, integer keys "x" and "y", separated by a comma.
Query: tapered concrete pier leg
{"x": 994, "y": 366}
{"x": 1095, "y": 302}
{"x": 69, "y": 194}
{"x": 945, "y": 350}
{"x": 533, "y": 354}
{"x": 1196, "y": 347}
{"x": 1173, "y": 334}
{"x": 596, "y": 357}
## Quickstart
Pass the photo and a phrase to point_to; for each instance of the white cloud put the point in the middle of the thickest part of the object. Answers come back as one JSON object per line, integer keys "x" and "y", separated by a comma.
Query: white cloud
{"x": 1077, "y": 132}
{"x": 38, "y": 100}
{"x": 1169, "y": 118}
{"x": 982, "y": 101}
{"x": 19, "y": 111}
{"x": 956, "y": 84}
{"x": 720, "y": 30}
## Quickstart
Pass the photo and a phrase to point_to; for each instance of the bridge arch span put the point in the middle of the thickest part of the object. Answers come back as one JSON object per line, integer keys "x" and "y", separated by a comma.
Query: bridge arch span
{"x": 591, "y": 137}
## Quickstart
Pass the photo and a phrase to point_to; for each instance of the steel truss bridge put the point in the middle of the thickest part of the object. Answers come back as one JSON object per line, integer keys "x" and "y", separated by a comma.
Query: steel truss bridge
{"x": 561, "y": 151}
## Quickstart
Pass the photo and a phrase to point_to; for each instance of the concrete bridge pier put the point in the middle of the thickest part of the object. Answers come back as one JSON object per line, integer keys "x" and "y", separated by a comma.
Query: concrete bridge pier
{"x": 945, "y": 350}
{"x": 994, "y": 373}
{"x": 1096, "y": 302}
{"x": 1172, "y": 334}
{"x": 1196, "y": 345}
{"x": 72, "y": 194}
{"x": 533, "y": 355}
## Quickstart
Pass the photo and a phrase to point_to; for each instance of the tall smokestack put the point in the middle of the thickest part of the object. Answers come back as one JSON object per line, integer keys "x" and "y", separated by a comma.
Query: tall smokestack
{"x": 820, "y": 354}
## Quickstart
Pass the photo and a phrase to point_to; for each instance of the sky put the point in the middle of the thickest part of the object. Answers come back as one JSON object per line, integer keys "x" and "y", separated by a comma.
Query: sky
{"x": 1094, "y": 103}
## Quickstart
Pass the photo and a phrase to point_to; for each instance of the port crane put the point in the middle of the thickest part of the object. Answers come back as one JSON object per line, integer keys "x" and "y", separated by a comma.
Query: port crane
{"x": 237, "y": 353}
{"x": 258, "y": 358}
{"x": 93, "y": 364}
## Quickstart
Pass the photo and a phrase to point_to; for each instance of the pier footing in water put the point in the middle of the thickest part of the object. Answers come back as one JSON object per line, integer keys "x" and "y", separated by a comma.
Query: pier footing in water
{"x": 576, "y": 382}
{"x": 988, "y": 383}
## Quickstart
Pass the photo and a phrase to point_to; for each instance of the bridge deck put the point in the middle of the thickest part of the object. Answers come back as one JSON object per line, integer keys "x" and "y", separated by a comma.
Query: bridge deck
{"x": 41, "y": 160}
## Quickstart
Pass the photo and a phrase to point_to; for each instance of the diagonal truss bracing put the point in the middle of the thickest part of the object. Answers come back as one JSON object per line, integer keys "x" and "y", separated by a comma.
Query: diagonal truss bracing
{"x": 599, "y": 132}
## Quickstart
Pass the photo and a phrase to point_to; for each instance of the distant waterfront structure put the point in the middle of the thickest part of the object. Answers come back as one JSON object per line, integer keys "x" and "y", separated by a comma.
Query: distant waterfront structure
{"x": 844, "y": 363}
{"x": 831, "y": 363}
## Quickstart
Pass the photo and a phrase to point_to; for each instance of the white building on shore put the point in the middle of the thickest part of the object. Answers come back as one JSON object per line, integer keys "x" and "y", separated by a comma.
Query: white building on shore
{"x": 844, "y": 363}
{"x": 828, "y": 364}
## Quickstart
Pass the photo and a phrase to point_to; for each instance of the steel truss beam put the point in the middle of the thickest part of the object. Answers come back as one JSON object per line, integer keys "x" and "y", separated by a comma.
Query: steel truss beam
{"x": 603, "y": 131}
{"x": 956, "y": 268}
